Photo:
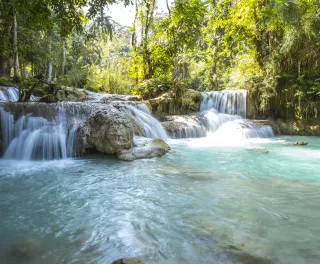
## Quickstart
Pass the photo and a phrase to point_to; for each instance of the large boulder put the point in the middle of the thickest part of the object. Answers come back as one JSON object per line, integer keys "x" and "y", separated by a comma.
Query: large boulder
{"x": 107, "y": 130}
{"x": 69, "y": 94}
{"x": 144, "y": 148}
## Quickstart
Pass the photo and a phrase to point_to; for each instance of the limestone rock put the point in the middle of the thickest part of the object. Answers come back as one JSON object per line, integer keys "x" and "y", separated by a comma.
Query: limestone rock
{"x": 144, "y": 148}
{"x": 49, "y": 98}
{"x": 301, "y": 143}
{"x": 69, "y": 94}
{"x": 167, "y": 104}
{"x": 107, "y": 130}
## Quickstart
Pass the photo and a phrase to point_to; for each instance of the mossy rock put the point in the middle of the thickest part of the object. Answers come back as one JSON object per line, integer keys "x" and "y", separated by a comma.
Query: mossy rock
{"x": 49, "y": 98}
{"x": 167, "y": 104}
{"x": 39, "y": 92}
{"x": 191, "y": 99}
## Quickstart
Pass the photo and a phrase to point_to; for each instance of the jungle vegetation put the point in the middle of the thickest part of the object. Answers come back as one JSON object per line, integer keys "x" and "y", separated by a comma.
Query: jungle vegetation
{"x": 269, "y": 47}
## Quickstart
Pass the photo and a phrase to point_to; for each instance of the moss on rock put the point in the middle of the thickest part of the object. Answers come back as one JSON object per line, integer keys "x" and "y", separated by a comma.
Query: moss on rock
{"x": 167, "y": 104}
{"x": 295, "y": 127}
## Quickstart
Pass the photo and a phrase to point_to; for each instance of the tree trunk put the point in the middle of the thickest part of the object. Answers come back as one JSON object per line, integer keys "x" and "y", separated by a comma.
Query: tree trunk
{"x": 23, "y": 70}
{"x": 15, "y": 49}
{"x": 4, "y": 66}
{"x": 49, "y": 74}
{"x": 63, "y": 66}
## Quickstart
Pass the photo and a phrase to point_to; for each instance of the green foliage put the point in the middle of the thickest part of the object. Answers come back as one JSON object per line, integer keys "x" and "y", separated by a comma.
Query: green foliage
{"x": 270, "y": 48}
{"x": 100, "y": 80}
{"x": 6, "y": 82}
{"x": 153, "y": 87}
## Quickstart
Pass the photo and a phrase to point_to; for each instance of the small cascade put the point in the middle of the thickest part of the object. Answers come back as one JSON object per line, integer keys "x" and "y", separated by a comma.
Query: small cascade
{"x": 184, "y": 127}
{"x": 242, "y": 129}
{"x": 35, "y": 137}
{"x": 223, "y": 113}
{"x": 50, "y": 131}
{"x": 150, "y": 126}
{"x": 213, "y": 120}
{"x": 188, "y": 131}
{"x": 9, "y": 94}
{"x": 232, "y": 127}
{"x": 232, "y": 102}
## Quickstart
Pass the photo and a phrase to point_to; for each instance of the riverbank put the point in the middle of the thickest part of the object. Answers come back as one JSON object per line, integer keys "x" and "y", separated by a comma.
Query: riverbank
{"x": 292, "y": 127}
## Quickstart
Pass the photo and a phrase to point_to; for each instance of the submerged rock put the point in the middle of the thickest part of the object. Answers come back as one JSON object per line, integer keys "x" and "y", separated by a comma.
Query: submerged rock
{"x": 127, "y": 261}
{"x": 26, "y": 249}
{"x": 301, "y": 143}
{"x": 144, "y": 148}
{"x": 262, "y": 150}
{"x": 241, "y": 255}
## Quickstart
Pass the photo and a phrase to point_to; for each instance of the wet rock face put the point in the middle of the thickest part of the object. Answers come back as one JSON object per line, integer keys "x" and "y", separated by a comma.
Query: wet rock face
{"x": 144, "y": 148}
{"x": 127, "y": 261}
{"x": 184, "y": 127}
{"x": 107, "y": 131}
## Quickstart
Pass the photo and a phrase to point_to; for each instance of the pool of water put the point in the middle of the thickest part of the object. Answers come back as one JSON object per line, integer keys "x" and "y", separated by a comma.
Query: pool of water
{"x": 204, "y": 202}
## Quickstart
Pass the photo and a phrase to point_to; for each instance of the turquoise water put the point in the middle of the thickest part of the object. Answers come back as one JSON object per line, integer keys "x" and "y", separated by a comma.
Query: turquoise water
{"x": 203, "y": 202}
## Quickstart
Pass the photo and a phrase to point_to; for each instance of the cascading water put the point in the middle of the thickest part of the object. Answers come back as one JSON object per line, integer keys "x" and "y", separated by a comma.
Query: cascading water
{"x": 232, "y": 102}
{"x": 35, "y": 137}
{"x": 151, "y": 127}
{"x": 222, "y": 114}
{"x": 9, "y": 94}
{"x": 48, "y": 131}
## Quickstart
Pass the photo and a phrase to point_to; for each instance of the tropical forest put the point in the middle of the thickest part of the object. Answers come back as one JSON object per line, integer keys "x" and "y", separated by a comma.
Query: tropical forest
{"x": 159, "y": 131}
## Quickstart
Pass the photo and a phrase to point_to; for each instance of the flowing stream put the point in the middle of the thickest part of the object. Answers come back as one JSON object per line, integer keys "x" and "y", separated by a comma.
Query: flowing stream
{"x": 222, "y": 204}
{"x": 238, "y": 195}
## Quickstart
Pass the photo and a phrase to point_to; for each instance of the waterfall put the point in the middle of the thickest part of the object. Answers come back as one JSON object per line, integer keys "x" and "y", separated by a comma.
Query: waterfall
{"x": 232, "y": 102}
{"x": 9, "y": 94}
{"x": 213, "y": 120}
{"x": 184, "y": 127}
{"x": 150, "y": 126}
{"x": 35, "y": 137}
{"x": 49, "y": 131}
{"x": 223, "y": 113}
{"x": 188, "y": 131}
